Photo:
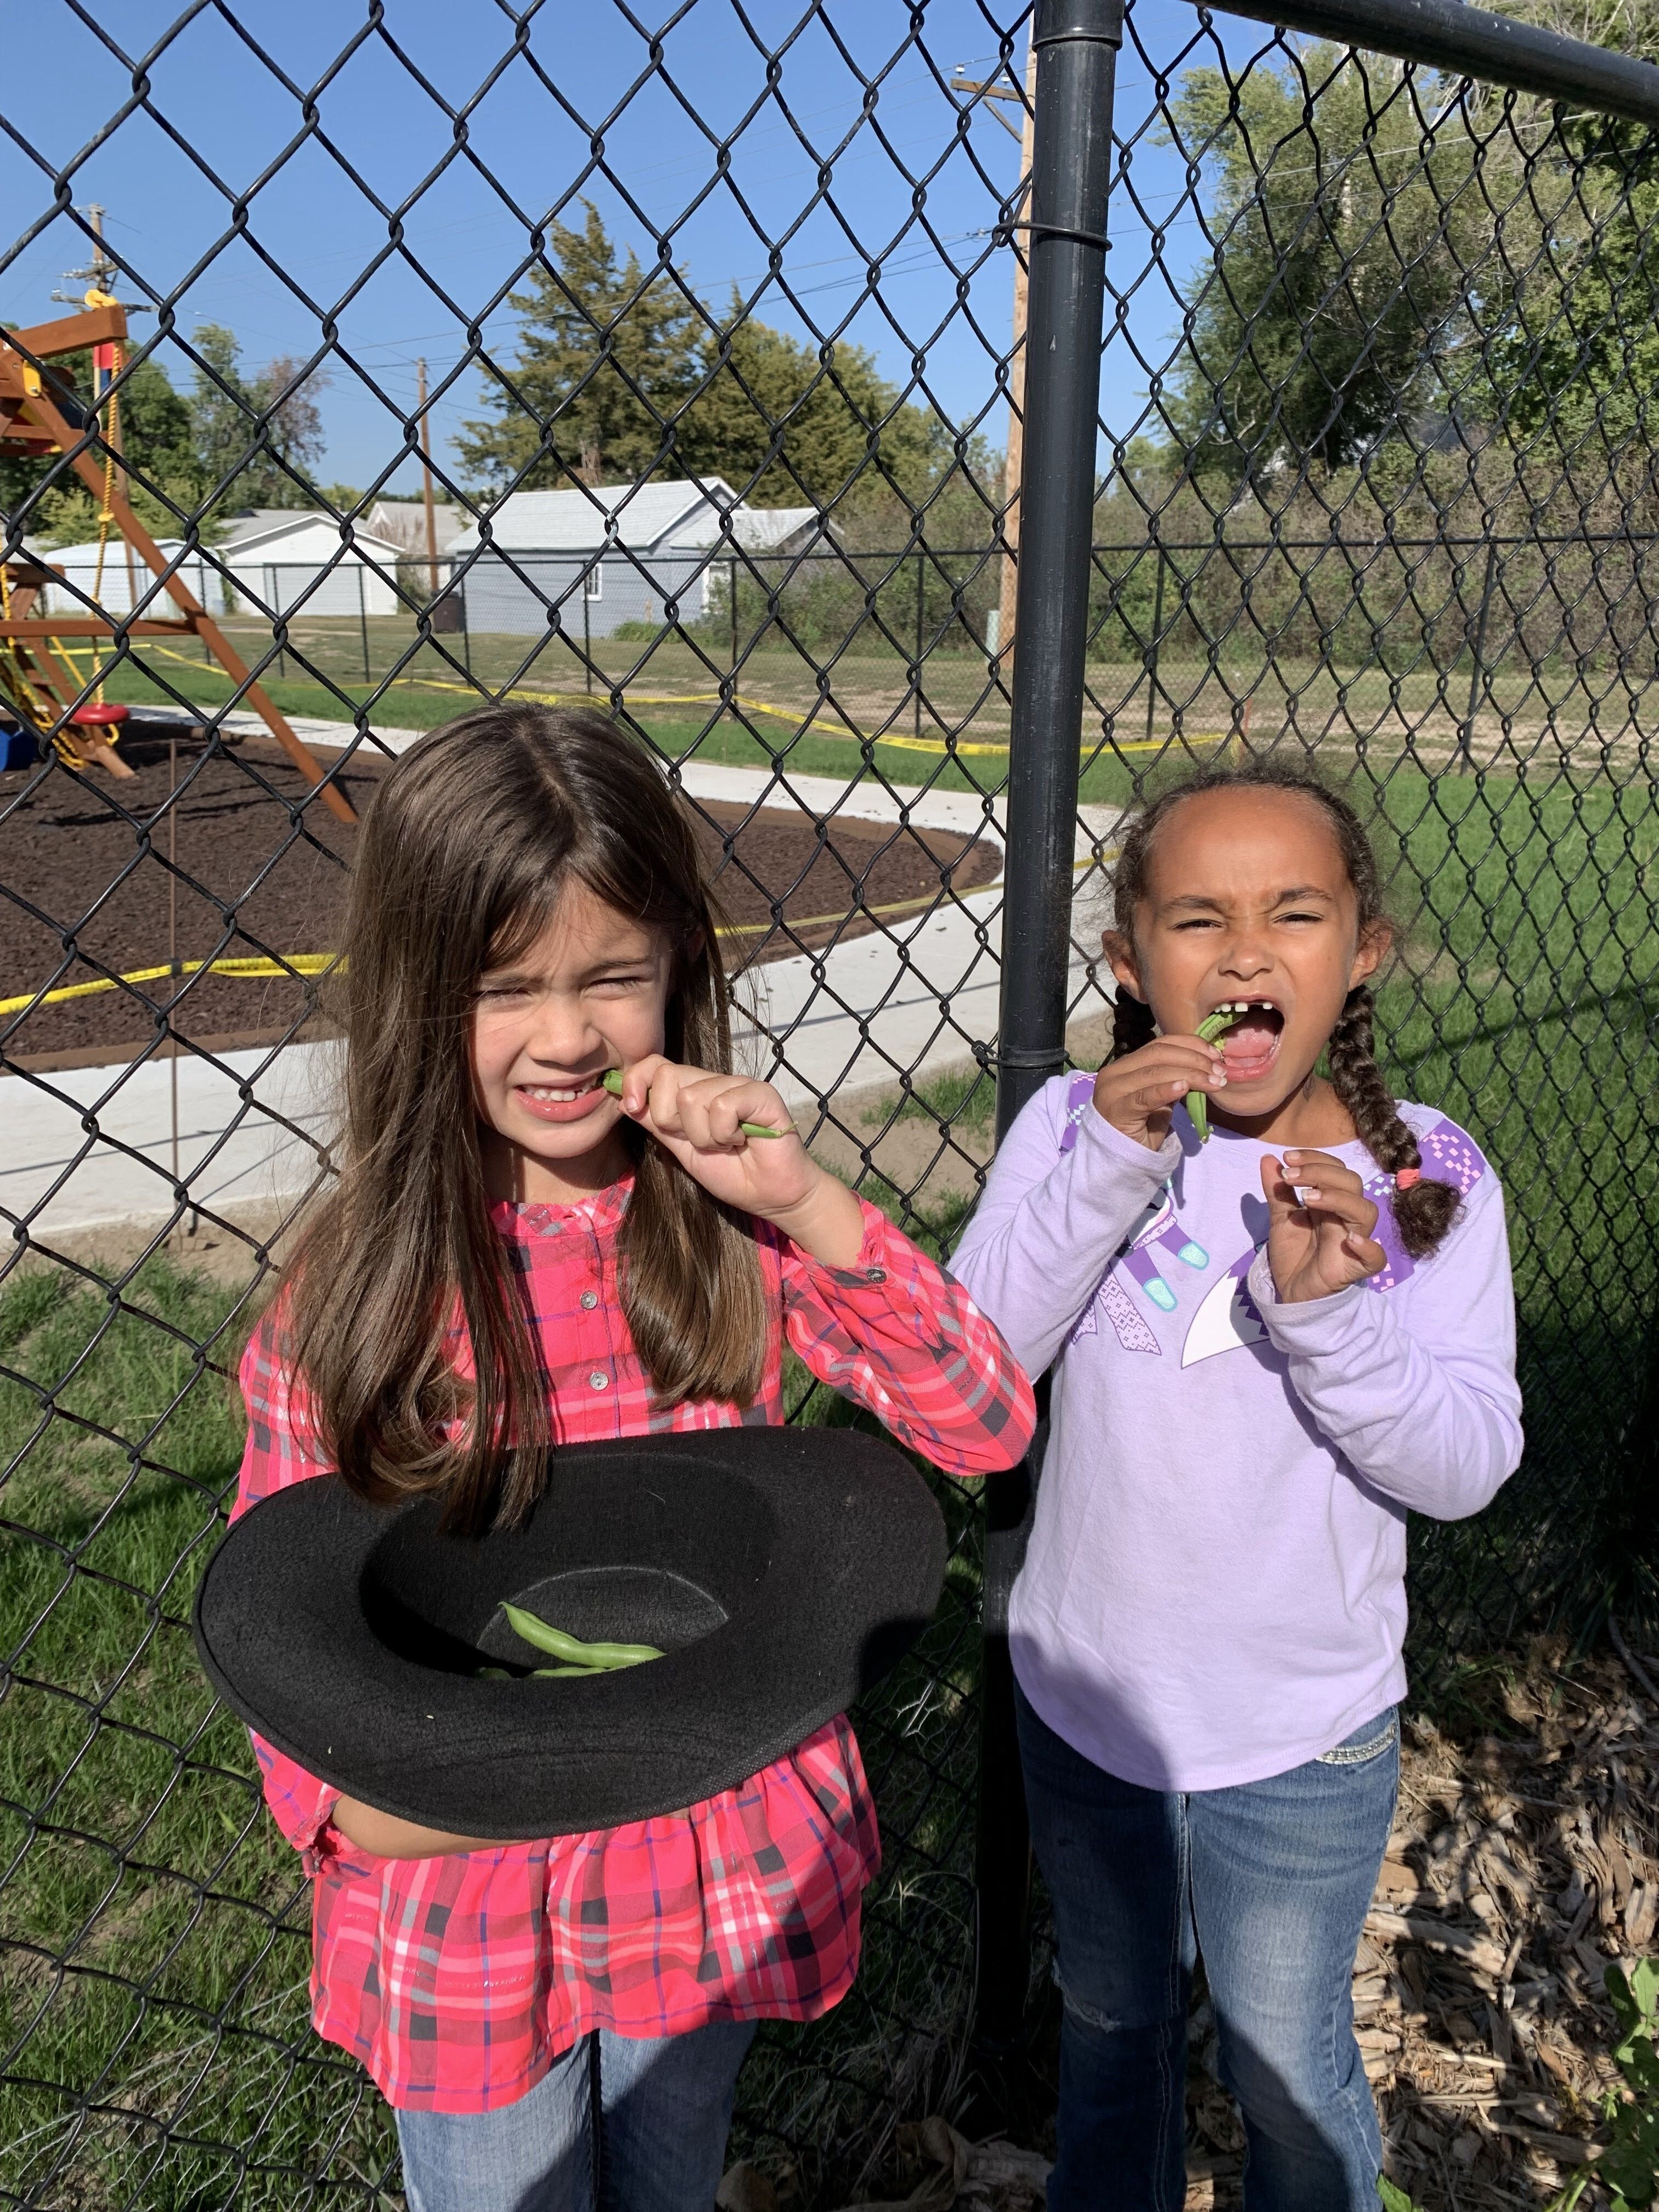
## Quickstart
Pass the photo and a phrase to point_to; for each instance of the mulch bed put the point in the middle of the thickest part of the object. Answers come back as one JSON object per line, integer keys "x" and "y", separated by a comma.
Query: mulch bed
{"x": 68, "y": 856}
{"x": 1524, "y": 1863}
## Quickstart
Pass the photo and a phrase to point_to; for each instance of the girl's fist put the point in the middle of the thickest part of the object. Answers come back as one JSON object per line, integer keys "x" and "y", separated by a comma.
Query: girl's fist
{"x": 1139, "y": 1093}
{"x": 699, "y": 1117}
{"x": 1319, "y": 1226}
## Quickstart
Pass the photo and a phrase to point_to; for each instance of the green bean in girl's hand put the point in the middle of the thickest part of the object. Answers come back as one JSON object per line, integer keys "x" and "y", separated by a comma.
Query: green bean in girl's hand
{"x": 1214, "y": 1026}
{"x": 613, "y": 1081}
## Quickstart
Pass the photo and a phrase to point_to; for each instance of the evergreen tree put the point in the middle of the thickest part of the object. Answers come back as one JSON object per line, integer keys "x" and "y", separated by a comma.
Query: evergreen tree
{"x": 619, "y": 379}
{"x": 787, "y": 427}
{"x": 605, "y": 361}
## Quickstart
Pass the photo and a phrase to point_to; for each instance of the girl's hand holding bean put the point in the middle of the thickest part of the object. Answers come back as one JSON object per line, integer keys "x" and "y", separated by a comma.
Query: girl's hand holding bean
{"x": 1139, "y": 1093}
{"x": 699, "y": 1117}
{"x": 1319, "y": 1226}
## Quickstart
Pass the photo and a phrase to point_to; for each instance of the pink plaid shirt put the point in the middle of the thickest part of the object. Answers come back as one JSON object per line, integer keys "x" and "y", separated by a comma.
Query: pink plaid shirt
{"x": 458, "y": 1980}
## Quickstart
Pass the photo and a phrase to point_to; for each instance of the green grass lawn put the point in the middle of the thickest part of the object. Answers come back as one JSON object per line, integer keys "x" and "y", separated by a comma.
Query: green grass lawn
{"x": 769, "y": 744}
{"x": 806, "y": 738}
{"x": 153, "y": 1928}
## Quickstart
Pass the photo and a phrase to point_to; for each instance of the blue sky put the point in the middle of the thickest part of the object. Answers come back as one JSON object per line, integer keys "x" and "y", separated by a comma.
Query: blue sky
{"x": 308, "y": 254}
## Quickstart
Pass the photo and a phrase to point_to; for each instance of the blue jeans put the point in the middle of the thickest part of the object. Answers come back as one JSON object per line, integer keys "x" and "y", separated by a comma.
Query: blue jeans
{"x": 616, "y": 2125}
{"x": 1270, "y": 1881}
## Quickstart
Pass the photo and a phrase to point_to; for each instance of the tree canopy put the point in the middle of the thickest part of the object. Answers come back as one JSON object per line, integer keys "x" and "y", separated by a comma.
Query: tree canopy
{"x": 1576, "y": 362}
{"x": 621, "y": 376}
{"x": 1341, "y": 236}
{"x": 254, "y": 436}
{"x": 187, "y": 452}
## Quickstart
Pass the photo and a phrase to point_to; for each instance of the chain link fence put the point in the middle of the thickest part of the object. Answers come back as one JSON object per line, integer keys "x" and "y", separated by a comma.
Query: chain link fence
{"x": 1375, "y": 488}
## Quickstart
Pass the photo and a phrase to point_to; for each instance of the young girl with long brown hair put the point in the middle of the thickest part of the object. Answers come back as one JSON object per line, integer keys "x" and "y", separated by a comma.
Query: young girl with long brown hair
{"x": 510, "y": 1258}
{"x": 1267, "y": 1347}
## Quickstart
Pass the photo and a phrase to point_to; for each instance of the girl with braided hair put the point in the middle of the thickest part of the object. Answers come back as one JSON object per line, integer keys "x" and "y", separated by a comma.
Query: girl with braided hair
{"x": 1266, "y": 1345}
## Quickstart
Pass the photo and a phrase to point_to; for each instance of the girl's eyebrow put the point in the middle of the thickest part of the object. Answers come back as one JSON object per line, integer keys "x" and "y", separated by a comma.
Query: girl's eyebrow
{"x": 641, "y": 957}
{"x": 615, "y": 964}
{"x": 1201, "y": 901}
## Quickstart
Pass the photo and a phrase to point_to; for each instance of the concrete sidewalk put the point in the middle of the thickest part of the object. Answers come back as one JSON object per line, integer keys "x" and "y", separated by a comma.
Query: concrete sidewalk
{"x": 93, "y": 1147}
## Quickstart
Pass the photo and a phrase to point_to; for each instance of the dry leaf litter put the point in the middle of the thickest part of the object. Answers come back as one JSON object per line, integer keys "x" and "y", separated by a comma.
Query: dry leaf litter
{"x": 1524, "y": 1861}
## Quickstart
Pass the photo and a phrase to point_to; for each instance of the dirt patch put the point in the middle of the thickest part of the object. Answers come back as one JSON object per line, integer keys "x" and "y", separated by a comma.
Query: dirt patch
{"x": 257, "y": 877}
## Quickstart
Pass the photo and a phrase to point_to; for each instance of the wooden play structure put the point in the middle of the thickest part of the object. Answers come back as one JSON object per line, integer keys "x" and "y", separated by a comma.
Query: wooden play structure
{"x": 35, "y": 678}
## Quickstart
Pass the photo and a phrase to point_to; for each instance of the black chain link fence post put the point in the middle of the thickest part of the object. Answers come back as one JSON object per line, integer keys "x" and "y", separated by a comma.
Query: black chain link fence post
{"x": 1077, "y": 44}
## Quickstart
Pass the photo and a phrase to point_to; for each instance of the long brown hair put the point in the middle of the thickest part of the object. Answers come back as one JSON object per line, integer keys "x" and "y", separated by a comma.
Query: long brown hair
{"x": 466, "y": 850}
{"x": 1424, "y": 1212}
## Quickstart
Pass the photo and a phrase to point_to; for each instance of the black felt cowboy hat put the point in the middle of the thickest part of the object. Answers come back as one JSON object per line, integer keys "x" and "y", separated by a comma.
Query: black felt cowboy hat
{"x": 781, "y": 1571}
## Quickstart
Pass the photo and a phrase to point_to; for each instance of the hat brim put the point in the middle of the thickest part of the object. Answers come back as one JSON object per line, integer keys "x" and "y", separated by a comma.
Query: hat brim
{"x": 781, "y": 1572}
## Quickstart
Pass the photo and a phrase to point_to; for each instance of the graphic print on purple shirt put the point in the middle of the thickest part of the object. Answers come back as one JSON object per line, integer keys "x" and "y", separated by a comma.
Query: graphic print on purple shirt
{"x": 1157, "y": 1227}
{"x": 1448, "y": 1157}
{"x": 1228, "y": 1317}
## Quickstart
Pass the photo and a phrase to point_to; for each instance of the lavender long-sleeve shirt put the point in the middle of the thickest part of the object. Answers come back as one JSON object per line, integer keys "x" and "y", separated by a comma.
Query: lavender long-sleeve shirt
{"x": 1214, "y": 1590}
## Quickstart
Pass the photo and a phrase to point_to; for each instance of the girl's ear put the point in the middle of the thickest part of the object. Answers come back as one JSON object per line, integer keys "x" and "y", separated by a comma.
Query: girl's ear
{"x": 1373, "y": 948}
{"x": 1119, "y": 950}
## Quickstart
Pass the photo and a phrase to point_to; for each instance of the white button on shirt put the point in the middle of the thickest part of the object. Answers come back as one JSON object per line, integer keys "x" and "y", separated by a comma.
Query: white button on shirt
{"x": 598, "y": 1378}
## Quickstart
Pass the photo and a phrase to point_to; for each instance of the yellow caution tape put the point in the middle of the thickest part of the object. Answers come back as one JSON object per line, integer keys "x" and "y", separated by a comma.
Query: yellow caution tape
{"x": 300, "y": 964}
{"x": 814, "y": 725}
{"x": 319, "y": 963}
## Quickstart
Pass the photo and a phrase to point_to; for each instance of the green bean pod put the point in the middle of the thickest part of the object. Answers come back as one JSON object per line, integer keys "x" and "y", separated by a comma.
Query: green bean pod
{"x": 611, "y": 1080}
{"x": 1209, "y": 1031}
{"x": 570, "y": 1651}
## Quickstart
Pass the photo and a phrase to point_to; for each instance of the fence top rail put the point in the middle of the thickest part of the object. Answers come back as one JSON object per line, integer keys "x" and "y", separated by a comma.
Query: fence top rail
{"x": 1275, "y": 542}
{"x": 1473, "y": 42}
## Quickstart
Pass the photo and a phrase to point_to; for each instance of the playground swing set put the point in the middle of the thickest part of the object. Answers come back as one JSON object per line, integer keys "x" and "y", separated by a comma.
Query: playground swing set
{"x": 39, "y": 685}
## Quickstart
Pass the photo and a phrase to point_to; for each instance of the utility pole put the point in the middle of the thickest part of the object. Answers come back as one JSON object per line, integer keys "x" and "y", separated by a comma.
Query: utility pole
{"x": 426, "y": 481}
{"x": 99, "y": 276}
{"x": 98, "y": 271}
{"x": 1014, "y": 468}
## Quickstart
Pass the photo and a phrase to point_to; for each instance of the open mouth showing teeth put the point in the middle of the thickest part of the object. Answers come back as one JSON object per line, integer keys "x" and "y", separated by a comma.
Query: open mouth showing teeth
{"x": 1250, "y": 1044}
{"x": 548, "y": 1094}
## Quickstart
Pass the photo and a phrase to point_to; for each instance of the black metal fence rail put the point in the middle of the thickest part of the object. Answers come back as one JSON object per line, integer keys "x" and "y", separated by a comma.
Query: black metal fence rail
{"x": 1345, "y": 452}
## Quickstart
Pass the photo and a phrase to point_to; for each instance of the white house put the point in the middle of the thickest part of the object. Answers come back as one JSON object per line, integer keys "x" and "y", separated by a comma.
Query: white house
{"x": 115, "y": 579}
{"x": 403, "y": 522}
{"x": 287, "y": 560}
{"x": 585, "y": 561}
